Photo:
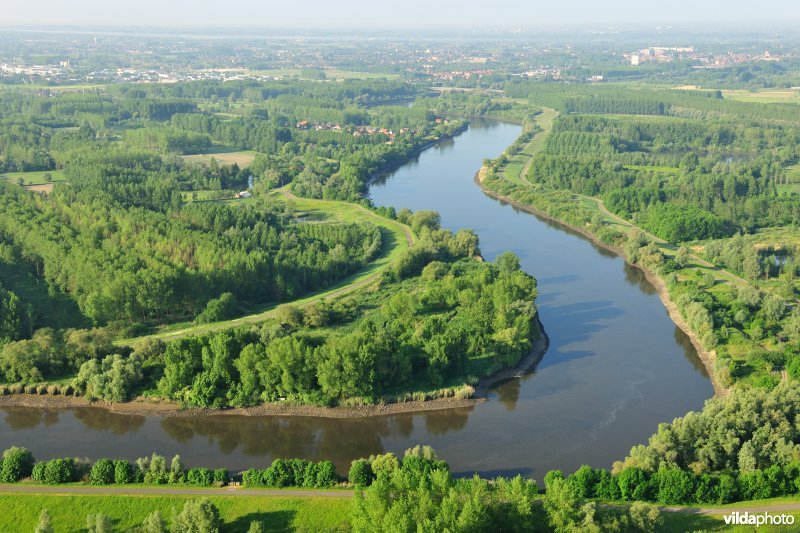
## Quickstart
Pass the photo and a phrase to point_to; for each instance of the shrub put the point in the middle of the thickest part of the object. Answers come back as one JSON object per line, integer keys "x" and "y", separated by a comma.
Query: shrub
{"x": 221, "y": 476}
{"x": 607, "y": 487}
{"x": 123, "y": 473}
{"x": 54, "y": 471}
{"x": 103, "y": 472}
{"x": 53, "y": 390}
{"x": 674, "y": 486}
{"x": 200, "y": 476}
{"x": 326, "y": 474}
{"x": 41, "y": 389}
{"x": 583, "y": 482}
{"x": 361, "y": 474}
{"x": 755, "y": 486}
{"x": 17, "y": 463}
{"x": 30, "y": 389}
{"x": 632, "y": 483}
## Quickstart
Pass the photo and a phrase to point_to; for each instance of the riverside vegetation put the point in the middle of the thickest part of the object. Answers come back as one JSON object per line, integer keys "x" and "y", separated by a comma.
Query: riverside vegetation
{"x": 122, "y": 248}
{"x": 692, "y": 187}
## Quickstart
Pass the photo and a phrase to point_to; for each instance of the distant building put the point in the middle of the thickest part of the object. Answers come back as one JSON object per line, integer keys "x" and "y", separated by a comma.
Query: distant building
{"x": 635, "y": 60}
{"x": 244, "y": 194}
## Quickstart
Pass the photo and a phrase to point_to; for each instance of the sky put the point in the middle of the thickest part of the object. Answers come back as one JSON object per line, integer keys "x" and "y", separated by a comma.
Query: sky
{"x": 390, "y": 14}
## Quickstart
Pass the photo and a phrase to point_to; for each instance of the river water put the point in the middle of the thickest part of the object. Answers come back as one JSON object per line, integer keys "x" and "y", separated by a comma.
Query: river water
{"x": 616, "y": 367}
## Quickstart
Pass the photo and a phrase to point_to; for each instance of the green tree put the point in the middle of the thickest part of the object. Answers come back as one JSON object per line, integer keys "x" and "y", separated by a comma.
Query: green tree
{"x": 17, "y": 463}
{"x": 198, "y": 516}
{"x": 562, "y": 506}
{"x": 102, "y": 472}
{"x": 153, "y": 523}
{"x": 99, "y": 523}
{"x": 360, "y": 474}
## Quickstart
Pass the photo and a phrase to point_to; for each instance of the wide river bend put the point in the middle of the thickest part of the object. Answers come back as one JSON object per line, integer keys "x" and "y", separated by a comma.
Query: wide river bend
{"x": 616, "y": 367}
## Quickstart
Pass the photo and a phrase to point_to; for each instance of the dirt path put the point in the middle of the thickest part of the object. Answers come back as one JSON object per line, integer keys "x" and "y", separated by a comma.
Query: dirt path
{"x": 173, "y": 491}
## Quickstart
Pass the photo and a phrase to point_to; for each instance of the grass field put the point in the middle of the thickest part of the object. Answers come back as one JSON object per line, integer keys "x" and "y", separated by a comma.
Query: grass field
{"x": 243, "y": 158}
{"x": 396, "y": 239}
{"x": 19, "y": 512}
{"x": 764, "y": 96}
{"x": 35, "y": 178}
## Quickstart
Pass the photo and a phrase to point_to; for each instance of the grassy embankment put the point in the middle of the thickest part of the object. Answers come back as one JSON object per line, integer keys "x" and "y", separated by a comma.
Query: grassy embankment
{"x": 294, "y": 512}
{"x": 517, "y": 167}
{"x": 20, "y": 511}
{"x": 397, "y": 238}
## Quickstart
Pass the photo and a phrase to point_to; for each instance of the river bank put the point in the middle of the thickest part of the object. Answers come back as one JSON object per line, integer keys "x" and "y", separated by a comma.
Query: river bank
{"x": 165, "y": 408}
{"x": 707, "y": 357}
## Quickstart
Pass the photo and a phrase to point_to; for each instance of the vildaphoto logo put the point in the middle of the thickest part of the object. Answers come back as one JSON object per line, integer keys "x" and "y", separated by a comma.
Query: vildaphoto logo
{"x": 758, "y": 519}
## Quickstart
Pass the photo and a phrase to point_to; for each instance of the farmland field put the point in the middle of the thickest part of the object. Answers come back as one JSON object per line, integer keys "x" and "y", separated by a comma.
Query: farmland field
{"x": 35, "y": 178}
{"x": 243, "y": 158}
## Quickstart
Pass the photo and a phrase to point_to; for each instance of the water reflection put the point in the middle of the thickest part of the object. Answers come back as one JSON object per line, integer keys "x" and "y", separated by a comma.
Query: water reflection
{"x": 17, "y": 418}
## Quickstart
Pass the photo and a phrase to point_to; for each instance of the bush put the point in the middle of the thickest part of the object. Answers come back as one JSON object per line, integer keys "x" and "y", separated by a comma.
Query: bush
{"x": 221, "y": 476}
{"x": 583, "y": 482}
{"x": 674, "y": 486}
{"x": 200, "y": 476}
{"x": 37, "y": 474}
{"x": 361, "y": 474}
{"x": 17, "y": 463}
{"x": 123, "y": 473}
{"x": 54, "y": 471}
{"x": 292, "y": 473}
{"x": 755, "y": 486}
{"x": 326, "y": 474}
{"x": 103, "y": 472}
{"x": 632, "y": 484}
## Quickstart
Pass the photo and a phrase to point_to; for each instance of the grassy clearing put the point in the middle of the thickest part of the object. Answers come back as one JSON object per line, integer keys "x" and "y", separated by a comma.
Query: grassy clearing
{"x": 764, "y": 96}
{"x": 35, "y": 178}
{"x": 20, "y": 512}
{"x": 396, "y": 239}
{"x": 243, "y": 158}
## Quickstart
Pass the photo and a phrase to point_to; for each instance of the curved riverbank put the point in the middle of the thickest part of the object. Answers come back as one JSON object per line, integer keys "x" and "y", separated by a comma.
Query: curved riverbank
{"x": 707, "y": 357}
{"x": 165, "y": 408}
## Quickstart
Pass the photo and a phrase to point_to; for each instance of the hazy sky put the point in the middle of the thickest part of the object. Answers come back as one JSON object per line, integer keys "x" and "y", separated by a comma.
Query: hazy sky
{"x": 335, "y": 14}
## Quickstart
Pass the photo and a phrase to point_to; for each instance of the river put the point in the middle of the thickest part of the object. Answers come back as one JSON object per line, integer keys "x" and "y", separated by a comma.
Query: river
{"x": 616, "y": 367}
